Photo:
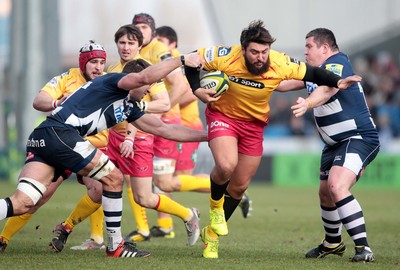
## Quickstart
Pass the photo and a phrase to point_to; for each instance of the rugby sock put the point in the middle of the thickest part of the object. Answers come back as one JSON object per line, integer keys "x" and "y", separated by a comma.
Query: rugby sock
{"x": 194, "y": 183}
{"x": 84, "y": 208}
{"x": 112, "y": 207}
{"x": 217, "y": 191}
{"x": 6, "y": 208}
{"x": 139, "y": 213}
{"x": 96, "y": 225}
{"x": 332, "y": 225}
{"x": 352, "y": 217}
{"x": 165, "y": 224}
{"x": 230, "y": 204}
{"x": 13, "y": 225}
{"x": 169, "y": 206}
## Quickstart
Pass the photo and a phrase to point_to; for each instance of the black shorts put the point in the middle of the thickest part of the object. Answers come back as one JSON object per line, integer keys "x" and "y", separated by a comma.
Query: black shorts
{"x": 60, "y": 147}
{"x": 353, "y": 154}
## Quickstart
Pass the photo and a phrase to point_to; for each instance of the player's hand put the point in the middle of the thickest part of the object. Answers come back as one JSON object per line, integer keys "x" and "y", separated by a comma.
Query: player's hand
{"x": 348, "y": 81}
{"x": 194, "y": 60}
{"x": 126, "y": 149}
{"x": 300, "y": 107}
{"x": 206, "y": 95}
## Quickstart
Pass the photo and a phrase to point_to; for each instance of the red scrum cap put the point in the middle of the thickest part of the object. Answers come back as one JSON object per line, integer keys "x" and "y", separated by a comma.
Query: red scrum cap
{"x": 89, "y": 51}
{"x": 144, "y": 18}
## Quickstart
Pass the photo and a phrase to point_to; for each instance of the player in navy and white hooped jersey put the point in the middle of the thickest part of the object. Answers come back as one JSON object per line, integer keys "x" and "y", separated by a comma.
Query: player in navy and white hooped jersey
{"x": 345, "y": 115}
{"x": 59, "y": 142}
{"x": 351, "y": 142}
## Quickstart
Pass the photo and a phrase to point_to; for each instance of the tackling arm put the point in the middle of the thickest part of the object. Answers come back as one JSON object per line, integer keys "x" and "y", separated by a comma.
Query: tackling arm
{"x": 318, "y": 97}
{"x": 153, "y": 125}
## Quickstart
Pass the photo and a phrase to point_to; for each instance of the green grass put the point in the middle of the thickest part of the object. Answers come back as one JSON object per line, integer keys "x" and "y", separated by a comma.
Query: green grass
{"x": 284, "y": 225}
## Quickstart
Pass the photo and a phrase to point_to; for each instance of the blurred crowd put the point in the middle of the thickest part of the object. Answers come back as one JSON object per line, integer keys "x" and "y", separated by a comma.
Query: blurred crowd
{"x": 381, "y": 84}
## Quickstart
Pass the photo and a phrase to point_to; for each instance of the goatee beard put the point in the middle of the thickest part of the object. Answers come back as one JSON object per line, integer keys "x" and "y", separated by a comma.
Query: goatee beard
{"x": 255, "y": 70}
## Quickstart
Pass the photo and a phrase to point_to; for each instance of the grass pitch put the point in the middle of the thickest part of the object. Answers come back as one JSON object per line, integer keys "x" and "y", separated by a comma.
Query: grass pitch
{"x": 285, "y": 223}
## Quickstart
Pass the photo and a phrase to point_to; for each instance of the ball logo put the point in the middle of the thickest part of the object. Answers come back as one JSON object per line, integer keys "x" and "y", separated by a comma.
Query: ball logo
{"x": 210, "y": 85}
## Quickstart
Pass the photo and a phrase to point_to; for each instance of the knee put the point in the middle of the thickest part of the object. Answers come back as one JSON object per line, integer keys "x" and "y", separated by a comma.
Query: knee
{"x": 165, "y": 186}
{"x": 94, "y": 189}
{"x": 29, "y": 193}
{"x": 143, "y": 200}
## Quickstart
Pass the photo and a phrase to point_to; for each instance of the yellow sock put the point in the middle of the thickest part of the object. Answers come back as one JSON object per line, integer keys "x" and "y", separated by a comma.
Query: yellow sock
{"x": 96, "y": 225}
{"x": 192, "y": 182}
{"x": 170, "y": 206}
{"x": 13, "y": 225}
{"x": 139, "y": 214}
{"x": 83, "y": 209}
{"x": 165, "y": 223}
{"x": 217, "y": 204}
{"x": 211, "y": 233}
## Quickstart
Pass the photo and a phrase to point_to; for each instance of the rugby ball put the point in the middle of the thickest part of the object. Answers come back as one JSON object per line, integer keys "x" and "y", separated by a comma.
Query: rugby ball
{"x": 216, "y": 80}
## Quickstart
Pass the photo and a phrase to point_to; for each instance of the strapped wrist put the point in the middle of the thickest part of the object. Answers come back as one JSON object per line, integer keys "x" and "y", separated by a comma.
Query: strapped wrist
{"x": 54, "y": 104}
{"x": 183, "y": 59}
{"x": 309, "y": 103}
{"x": 129, "y": 140}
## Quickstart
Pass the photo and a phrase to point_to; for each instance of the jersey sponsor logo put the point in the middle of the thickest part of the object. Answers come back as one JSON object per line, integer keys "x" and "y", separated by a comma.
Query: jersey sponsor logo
{"x": 311, "y": 87}
{"x": 209, "y": 54}
{"x": 335, "y": 68}
{"x": 222, "y": 51}
{"x": 122, "y": 112}
{"x": 294, "y": 60}
{"x": 250, "y": 83}
{"x": 36, "y": 143}
{"x": 53, "y": 82}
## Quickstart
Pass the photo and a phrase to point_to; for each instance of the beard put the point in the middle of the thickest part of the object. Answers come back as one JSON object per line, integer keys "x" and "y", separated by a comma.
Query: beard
{"x": 256, "y": 70}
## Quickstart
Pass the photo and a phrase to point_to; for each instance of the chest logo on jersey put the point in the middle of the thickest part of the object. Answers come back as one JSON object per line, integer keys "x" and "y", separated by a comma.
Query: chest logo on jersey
{"x": 250, "y": 83}
{"x": 335, "y": 68}
{"x": 224, "y": 51}
{"x": 122, "y": 112}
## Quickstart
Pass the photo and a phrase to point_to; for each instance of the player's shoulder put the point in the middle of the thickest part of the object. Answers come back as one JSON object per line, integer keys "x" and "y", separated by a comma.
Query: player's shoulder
{"x": 339, "y": 64}
{"x": 161, "y": 50}
{"x": 220, "y": 53}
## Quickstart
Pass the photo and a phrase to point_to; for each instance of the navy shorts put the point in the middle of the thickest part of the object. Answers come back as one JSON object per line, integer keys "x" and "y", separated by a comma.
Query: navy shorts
{"x": 59, "y": 147}
{"x": 353, "y": 154}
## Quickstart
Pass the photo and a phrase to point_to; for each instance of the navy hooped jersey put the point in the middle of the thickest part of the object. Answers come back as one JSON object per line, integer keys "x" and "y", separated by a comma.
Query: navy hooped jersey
{"x": 96, "y": 106}
{"x": 346, "y": 114}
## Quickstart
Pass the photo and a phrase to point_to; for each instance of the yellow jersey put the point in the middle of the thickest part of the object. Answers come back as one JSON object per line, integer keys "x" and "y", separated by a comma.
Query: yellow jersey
{"x": 248, "y": 95}
{"x": 67, "y": 83}
{"x": 156, "y": 52}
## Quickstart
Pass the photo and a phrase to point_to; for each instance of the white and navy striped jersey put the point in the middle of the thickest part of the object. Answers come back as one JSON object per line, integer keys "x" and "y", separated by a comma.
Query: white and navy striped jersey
{"x": 346, "y": 114}
{"x": 98, "y": 105}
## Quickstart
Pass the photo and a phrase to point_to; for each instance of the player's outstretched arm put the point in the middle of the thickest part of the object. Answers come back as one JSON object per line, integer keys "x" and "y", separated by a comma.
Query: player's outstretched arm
{"x": 319, "y": 96}
{"x": 158, "y": 71}
{"x": 153, "y": 125}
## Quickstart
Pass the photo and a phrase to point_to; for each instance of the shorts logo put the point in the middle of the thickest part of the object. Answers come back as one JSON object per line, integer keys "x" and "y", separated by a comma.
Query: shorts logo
{"x": 36, "y": 143}
{"x": 223, "y": 51}
{"x": 218, "y": 124}
{"x": 338, "y": 158}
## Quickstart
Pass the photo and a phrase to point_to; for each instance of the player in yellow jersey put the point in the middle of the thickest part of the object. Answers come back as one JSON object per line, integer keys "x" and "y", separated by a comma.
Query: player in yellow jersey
{"x": 236, "y": 119}
{"x": 166, "y": 152}
{"x": 190, "y": 117}
{"x": 92, "y": 61}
